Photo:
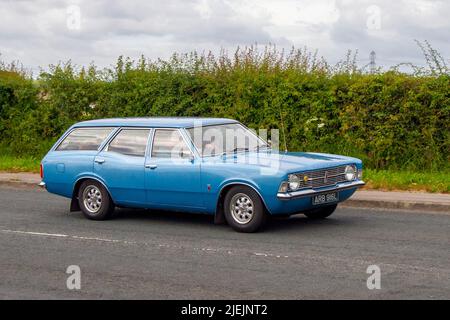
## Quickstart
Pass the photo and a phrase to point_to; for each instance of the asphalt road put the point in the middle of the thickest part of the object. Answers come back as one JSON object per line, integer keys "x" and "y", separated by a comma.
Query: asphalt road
{"x": 161, "y": 255}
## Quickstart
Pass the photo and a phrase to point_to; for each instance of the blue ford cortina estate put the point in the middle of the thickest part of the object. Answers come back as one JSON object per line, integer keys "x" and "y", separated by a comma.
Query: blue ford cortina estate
{"x": 206, "y": 165}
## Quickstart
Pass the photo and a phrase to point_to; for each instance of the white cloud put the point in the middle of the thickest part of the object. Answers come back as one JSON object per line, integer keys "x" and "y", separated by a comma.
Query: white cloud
{"x": 36, "y": 32}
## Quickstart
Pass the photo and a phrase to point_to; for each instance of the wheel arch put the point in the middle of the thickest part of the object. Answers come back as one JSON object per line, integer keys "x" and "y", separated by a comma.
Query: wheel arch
{"x": 219, "y": 216}
{"x": 74, "y": 206}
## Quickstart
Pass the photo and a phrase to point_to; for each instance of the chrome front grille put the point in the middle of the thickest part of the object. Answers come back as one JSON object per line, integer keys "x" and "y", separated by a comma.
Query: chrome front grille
{"x": 322, "y": 178}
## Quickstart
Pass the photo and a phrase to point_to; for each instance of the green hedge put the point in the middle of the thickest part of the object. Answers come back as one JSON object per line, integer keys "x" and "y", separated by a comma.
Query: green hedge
{"x": 390, "y": 120}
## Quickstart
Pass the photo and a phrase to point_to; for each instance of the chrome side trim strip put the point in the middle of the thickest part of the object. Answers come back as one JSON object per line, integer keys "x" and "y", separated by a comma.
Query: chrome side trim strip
{"x": 311, "y": 192}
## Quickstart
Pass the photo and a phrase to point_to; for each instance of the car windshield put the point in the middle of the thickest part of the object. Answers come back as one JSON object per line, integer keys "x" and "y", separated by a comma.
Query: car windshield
{"x": 225, "y": 138}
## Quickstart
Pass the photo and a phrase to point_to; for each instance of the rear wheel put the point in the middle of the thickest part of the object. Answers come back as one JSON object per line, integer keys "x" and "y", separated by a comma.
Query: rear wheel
{"x": 94, "y": 200}
{"x": 320, "y": 213}
{"x": 244, "y": 210}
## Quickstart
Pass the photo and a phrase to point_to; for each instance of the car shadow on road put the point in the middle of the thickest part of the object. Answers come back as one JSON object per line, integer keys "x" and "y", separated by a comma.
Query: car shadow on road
{"x": 169, "y": 218}
{"x": 274, "y": 224}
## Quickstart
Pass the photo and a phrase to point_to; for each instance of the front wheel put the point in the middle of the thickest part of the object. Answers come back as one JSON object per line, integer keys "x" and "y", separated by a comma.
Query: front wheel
{"x": 244, "y": 210}
{"x": 94, "y": 200}
{"x": 320, "y": 213}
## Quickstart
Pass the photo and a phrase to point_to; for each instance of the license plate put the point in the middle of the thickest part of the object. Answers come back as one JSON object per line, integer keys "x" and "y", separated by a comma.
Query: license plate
{"x": 325, "y": 198}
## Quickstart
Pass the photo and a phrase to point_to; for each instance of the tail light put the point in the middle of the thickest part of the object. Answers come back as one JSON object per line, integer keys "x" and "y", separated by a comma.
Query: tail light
{"x": 42, "y": 171}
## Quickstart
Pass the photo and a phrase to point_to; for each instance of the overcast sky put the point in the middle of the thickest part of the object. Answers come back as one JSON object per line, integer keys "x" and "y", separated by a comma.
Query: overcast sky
{"x": 41, "y": 32}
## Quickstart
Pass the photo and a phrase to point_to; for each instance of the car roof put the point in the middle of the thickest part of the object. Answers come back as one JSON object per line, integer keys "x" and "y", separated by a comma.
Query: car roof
{"x": 157, "y": 122}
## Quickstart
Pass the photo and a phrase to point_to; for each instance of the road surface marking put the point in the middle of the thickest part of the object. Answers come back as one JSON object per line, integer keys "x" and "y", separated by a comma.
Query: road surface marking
{"x": 60, "y": 235}
{"x": 36, "y": 233}
{"x": 355, "y": 262}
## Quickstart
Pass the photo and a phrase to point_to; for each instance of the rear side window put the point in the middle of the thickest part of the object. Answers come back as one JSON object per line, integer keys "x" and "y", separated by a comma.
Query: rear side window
{"x": 131, "y": 142}
{"x": 84, "y": 139}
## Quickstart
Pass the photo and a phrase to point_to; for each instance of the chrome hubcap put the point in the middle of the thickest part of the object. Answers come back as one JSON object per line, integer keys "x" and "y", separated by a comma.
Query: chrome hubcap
{"x": 92, "y": 199}
{"x": 241, "y": 208}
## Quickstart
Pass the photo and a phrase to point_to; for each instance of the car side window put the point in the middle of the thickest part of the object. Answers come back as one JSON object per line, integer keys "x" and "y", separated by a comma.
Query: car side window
{"x": 84, "y": 139}
{"x": 131, "y": 142}
{"x": 169, "y": 144}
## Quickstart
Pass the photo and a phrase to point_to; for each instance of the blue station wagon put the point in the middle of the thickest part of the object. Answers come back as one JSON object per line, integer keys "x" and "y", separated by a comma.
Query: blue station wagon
{"x": 204, "y": 165}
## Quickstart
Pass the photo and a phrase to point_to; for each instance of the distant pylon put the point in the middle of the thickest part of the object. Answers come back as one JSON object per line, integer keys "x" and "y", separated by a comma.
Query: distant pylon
{"x": 373, "y": 56}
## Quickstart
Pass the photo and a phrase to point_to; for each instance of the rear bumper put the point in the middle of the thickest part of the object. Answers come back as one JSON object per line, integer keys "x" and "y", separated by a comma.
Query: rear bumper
{"x": 311, "y": 192}
{"x": 42, "y": 184}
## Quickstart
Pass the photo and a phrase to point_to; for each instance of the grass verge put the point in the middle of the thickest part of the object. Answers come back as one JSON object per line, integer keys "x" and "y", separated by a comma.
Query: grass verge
{"x": 375, "y": 179}
{"x": 408, "y": 180}
{"x": 19, "y": 164}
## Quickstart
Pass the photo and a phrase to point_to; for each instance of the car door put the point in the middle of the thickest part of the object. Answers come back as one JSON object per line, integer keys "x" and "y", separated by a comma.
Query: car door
{"x": 172, "y": 172}
{"x": 121, "y": 165}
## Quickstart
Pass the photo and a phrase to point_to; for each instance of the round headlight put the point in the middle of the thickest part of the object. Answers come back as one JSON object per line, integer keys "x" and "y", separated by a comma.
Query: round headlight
{"x": 294, "y": 182}
{"x": 350, "y": 173}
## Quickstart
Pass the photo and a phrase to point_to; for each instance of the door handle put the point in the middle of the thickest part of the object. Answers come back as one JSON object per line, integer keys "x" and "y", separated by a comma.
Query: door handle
{"x": 99, "y": 160}
{"x": 151, "y": 166}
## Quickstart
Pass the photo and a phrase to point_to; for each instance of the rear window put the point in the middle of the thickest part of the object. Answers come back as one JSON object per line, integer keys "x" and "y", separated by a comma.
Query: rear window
{"x": 84, "y": 139}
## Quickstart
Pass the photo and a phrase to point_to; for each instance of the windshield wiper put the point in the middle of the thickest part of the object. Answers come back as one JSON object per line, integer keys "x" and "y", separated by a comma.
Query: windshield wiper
{"x": 235, "y": 150}
{"x": 257, "y": 148}
{"x": 240, "y": 149}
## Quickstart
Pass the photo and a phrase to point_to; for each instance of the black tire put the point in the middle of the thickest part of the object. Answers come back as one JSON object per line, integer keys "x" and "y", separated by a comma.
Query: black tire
{"x": 96, "y": 193}
{"x": 242, "y": 220}
{"x": 320, "y": 213}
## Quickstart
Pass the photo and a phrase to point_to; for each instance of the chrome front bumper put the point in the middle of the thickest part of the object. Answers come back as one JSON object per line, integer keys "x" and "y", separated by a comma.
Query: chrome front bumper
{"x": 311, "y": 192}
{"x": 42, "y": 184}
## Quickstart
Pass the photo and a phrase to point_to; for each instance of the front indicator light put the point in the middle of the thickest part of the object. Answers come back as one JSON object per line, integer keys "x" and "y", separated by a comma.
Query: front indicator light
{"x": 284, "y": 187}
